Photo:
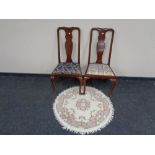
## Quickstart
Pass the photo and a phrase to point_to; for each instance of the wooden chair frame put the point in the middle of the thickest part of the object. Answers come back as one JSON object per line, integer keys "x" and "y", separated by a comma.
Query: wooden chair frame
{"x": 101, "y": 36}
{"x": 69, "y": 50}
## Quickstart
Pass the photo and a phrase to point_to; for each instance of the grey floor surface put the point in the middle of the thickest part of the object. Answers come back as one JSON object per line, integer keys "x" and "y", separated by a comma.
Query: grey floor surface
{"x": 26, "y": 105}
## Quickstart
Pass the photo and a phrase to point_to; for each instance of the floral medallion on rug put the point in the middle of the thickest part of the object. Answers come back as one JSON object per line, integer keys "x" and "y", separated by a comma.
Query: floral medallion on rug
{"x": 83, "y": 114}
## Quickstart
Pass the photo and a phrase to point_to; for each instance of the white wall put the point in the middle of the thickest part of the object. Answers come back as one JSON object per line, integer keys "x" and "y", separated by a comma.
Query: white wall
{"x": 30, "y": 46}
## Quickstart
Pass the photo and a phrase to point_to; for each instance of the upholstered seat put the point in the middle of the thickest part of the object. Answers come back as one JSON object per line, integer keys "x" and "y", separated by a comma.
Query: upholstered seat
{"x": 99, "y": 69}
{"x": 67, "y": 68}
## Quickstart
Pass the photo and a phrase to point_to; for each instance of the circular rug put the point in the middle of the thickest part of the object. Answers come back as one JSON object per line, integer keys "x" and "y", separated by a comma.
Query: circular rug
{"x": 83, "y": 113}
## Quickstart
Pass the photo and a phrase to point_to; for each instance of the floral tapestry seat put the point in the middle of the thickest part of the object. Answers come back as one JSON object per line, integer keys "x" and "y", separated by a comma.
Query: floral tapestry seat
{"x": 100, "y": 69}
{"x": 67, "y": 68}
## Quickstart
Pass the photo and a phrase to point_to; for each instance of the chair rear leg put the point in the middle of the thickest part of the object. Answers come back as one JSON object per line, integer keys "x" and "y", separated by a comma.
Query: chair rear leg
{"x": 82, "y": 85}
{"x": 113, "y": 85}
{"x": 53, "y": 84}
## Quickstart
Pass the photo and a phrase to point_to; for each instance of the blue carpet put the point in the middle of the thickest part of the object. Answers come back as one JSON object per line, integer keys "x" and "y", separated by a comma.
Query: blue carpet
{"x": 26, "y": 105}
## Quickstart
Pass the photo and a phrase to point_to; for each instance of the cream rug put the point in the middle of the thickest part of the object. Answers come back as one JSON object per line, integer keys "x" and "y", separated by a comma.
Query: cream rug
{"x": 83, "y": 114}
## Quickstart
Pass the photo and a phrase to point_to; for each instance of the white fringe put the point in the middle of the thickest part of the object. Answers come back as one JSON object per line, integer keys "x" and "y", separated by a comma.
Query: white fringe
{"x": 84, "y": 131}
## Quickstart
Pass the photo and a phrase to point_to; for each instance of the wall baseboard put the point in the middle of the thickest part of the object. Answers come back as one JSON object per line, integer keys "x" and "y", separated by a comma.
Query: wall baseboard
{"x": 22, "y": 74}
{"x": 42, "y": 75}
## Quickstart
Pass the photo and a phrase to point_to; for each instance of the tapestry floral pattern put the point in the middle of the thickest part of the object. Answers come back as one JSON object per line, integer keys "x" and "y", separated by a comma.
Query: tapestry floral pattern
{"x": 100, "y": 69}
{"x": 67, "y": 68}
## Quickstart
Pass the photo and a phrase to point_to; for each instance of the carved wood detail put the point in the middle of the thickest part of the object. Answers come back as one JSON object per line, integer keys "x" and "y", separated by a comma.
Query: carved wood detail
{"x": 69, "y": 44}
{"x": 100, "y": 44}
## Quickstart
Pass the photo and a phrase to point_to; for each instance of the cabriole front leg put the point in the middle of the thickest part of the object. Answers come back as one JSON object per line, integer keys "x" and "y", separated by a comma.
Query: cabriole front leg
{"x": 113, "y": 85}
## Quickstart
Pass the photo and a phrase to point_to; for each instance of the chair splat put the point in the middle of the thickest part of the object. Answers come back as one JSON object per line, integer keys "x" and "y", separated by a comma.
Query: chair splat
{"x": 100, "y": 47}
{"x": 69, "y": 44}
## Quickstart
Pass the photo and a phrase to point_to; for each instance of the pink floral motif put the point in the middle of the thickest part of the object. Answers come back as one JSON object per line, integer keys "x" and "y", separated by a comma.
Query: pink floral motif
{"x": 83, "y": 104}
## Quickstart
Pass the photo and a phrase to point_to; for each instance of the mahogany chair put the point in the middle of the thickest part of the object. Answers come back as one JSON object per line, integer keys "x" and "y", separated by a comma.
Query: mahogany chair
{"x": 68, "y": 68}
{"x": 99, "y": 69}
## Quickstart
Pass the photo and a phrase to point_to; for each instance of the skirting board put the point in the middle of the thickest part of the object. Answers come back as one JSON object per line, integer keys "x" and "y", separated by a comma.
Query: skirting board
{"x": 31, "y": 74}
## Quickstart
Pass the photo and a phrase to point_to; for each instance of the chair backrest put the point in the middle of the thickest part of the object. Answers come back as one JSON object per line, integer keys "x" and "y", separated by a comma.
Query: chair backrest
{"x": 68, "y": 43}
{"x": 101, "y": 43}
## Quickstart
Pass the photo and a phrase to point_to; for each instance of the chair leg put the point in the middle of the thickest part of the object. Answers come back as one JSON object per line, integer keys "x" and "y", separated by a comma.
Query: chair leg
{"x": 82, "y": 85}
{"x": 53, "y": 84}
{"x": 113, "y": 85}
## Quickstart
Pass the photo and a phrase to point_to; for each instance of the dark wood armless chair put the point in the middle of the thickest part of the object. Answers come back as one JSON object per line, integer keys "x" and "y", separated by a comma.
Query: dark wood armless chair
{"x": 100, "y": 69}
{"x": 68, "y": 68}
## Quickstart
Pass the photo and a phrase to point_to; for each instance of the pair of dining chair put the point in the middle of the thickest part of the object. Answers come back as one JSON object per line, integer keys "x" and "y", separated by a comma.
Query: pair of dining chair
{"x": 96, "y": 69}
